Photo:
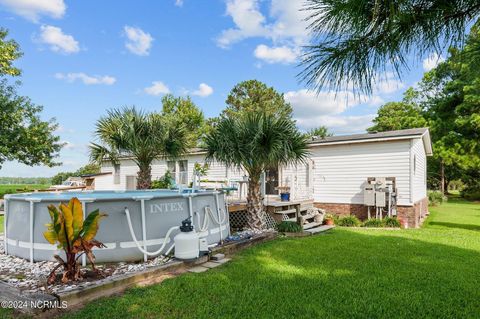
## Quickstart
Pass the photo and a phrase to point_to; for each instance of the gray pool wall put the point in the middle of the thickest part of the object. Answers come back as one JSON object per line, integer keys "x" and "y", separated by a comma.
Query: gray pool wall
{"x": 162, "y": 210}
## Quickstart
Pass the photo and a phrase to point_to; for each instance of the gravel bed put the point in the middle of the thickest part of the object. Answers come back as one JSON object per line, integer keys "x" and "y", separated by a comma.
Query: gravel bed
{"x": 30, "y": 278}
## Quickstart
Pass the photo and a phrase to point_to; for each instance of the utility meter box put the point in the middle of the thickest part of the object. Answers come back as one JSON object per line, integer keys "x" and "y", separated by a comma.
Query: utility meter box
{"x": 380, "y": 199}
{"x": 369, "y": 195}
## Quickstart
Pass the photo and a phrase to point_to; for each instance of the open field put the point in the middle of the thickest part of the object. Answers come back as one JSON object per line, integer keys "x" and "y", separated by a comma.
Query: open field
{"x": 13, "y": 188}
{"x": 429, "y": 272}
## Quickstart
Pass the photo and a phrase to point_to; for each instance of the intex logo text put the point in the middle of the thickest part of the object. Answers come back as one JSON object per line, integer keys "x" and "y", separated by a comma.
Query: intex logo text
{"x": 166, "y": 207}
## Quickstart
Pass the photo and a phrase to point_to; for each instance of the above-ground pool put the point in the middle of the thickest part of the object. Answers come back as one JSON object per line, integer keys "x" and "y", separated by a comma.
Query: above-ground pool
{"x": 152, "y": 213}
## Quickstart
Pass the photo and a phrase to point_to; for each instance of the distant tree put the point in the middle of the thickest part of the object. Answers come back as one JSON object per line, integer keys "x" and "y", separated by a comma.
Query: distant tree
{"x": 9, "y": 52}
{"x": 185, "y": 111}
{"x": 319, "y": 132}
{"x": 256, "y": 97}
{"x": 24, "y": 136}
{"x": 256, "y": 142}
{"x": 354, "y": 40}
{"x": 91, "y": 168}
{"x": 398, "y": 116}
{"x": 145, "y": 136}
{"x": 59, "y": 178}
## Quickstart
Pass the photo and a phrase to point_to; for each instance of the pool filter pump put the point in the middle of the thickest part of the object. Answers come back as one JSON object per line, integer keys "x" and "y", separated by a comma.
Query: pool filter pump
{"x": 187, "y": 242}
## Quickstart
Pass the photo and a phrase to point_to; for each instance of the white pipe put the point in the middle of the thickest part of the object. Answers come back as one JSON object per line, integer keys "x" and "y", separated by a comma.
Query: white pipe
{"x": 31, "y": 231}
{"x": 84, "y": 258}
{"x": 5, "y": 227}
{"x": 132, "y": 233}
{"x": 205, "y": 224}
{"x": 190, "y": 208}
{"x": 218, "y": 212}
{"x": 144, "y": 229}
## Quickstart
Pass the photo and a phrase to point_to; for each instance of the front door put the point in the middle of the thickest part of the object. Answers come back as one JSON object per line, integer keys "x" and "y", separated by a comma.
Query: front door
{"x": 271, "y": 181}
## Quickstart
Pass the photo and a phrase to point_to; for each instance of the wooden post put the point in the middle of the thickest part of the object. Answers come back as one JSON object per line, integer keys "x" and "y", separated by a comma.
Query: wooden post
{"x": 297, "y": 214}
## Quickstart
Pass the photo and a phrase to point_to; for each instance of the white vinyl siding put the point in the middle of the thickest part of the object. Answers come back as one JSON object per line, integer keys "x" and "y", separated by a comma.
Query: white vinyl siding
{"x": 298, "y": 178}
{"x": 341, "y": 171}
{"x": 333, "y": 174}
{"x": 419, "y": 170}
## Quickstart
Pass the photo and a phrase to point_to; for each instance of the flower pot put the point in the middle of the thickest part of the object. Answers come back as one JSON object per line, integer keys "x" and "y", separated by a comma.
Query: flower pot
{"x": 285, "y": 197}
{"x": 329, "y": 222}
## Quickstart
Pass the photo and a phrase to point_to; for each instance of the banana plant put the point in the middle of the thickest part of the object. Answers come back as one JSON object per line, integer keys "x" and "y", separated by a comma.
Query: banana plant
{"x": 74, "y": 235}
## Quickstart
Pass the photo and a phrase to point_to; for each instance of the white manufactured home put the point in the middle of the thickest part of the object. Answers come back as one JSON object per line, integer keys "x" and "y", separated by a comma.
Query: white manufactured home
{"x": 334, "y": 176}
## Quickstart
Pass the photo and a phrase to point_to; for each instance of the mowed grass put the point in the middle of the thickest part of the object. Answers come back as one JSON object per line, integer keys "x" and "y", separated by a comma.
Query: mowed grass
{"x": 14, "y": 188}
{"x": 431, "y": 272}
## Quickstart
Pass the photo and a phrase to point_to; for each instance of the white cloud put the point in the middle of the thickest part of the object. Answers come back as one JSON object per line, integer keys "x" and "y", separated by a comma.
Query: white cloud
{"x": 204, "y": 90}
{"x": 139, "y": 42}
{"x": 307, "y": 103}
{"x": 338, "y": 124}
{"x": 33, "y": 9}
{"x": 327, "y": 108}
{"x": 57, "y": 40}
{"x": 179, "y": 3}
{"x": 86, "y": 79}
{"x": 248, "y": 21}
{"x": 432, "y": 61}
{"x": 289, "y": 20}
{"x": 388, "y": 83}
{"x": 281, "y": 54}
{"x": 157, "y": 88}
{"x": 287, "y": 27}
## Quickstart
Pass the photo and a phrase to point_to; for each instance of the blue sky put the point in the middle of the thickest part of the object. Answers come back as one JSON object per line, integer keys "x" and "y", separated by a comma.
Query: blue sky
{"x": 84, "y": 57}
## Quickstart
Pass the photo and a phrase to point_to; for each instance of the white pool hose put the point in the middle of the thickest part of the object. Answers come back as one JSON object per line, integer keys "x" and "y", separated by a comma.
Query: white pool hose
{"x": 127, "y": 212}
{"x": 208, "y": 212}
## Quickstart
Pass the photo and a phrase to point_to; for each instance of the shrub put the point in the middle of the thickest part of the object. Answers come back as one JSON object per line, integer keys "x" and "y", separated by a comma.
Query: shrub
{"x": 392, "y": 222}
{"x": 349, "y": 221}
{"x": 164, "y": 182}
{"x": 471, "y": 193}
{"x": 436, "y": 198}
{"x": 373, "y": 222}
{"x": 289, "y": 227}
{"x": 74, "y": 235}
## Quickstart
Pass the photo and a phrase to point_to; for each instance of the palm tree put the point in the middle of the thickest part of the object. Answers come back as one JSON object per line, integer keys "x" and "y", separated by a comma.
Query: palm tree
{"x": 256, "y": 142}
{"x": 145, "y": 136}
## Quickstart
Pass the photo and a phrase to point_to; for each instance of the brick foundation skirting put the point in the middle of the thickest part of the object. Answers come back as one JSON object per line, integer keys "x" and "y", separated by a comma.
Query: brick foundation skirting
{"x": 409, "y": 216}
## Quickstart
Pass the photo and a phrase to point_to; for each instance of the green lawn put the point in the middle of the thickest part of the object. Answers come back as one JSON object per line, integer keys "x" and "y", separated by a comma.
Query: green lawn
{"x": 12, "y": 188}
{"x": 431, "y": 272}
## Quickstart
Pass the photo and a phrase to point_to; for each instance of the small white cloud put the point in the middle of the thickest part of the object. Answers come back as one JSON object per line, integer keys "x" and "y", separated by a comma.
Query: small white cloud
{"x": 33, "y": 9}
{"x": 179, "y": 3}
{"x": 204, "y": 90}
{"x": 248, "y": 21}
{"x": 388, "y": 83}
{"x": 57, "y": 40}
{"x": 432, "y": 61}
{"x": 86, "y": 79}
{"x": 157, "y": 88}
{"x": 62, "y": 129}
{"x": 286, "y": 23}
{"x": 271, "y": 55}
{"x": 311, "y": 109}
{"x": 306, "y": 103}
{"x": 338, "y": 124}
{"x": 139, "y": 42}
